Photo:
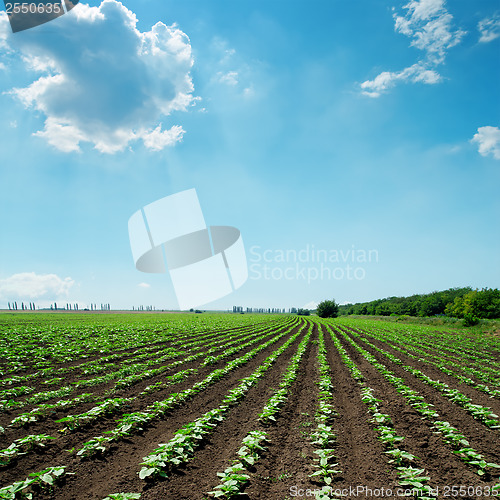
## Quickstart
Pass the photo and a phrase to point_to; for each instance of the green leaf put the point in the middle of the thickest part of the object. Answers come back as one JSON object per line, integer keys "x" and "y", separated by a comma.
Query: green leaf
{"x": 145, "y": 472}
{"x": 47, "y": 478}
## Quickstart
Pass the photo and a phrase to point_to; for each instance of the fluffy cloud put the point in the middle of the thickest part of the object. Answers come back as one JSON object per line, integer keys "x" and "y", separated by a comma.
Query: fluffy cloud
{"x": 429, "y": 25}
{"x": 144, "y": 285}
{"x": 34, "y": 286}
{"x": 488, "y": 140}
{"x": 158, "y": 139}
{"x": 387, "y": 80}
{"x": 102, "y": 81}
{"x": 489, "y": 29}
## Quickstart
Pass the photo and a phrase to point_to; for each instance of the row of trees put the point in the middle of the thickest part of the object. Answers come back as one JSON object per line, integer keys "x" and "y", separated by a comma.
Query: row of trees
{"x": 273, "y": 310}
{"x": 13, "y": 306}
{"x": 54, "y": 307}
{"x": 454, "y": 302}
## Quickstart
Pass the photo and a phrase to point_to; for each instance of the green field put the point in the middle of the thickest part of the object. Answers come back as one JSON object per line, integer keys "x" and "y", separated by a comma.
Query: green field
{"x": 193, "y": 406}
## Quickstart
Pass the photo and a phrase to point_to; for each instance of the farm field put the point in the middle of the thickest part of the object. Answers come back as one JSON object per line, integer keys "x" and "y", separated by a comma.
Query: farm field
{"x": 198, "y": 406}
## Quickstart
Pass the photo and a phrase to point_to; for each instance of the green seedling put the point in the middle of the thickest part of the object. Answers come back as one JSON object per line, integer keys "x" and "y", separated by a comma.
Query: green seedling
{"x": 8, "y": 454}
{"x": 32, "y": 441}
{"x": 325, "y": 468}
{"x": 400, "y": 457}
{"x": 233, "y": 480}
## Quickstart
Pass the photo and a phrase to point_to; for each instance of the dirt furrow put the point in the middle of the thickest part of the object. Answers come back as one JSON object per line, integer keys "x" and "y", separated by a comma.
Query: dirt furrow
{"x": 54, "y": 452}
{"x": 435, "y": 455}
{"x": 360, "y": 455}
{"x": 221, "y": 447}
{"x": 118, "y": 469}
{"x": 48, "y": 426}
{"x": 288, "y": 460}
{"x": 478, "y": 397}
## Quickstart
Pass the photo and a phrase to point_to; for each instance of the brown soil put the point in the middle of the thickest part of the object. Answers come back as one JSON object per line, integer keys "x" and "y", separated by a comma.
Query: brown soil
{"x": 436, "y": 456}
{"x": 285, "y": 466}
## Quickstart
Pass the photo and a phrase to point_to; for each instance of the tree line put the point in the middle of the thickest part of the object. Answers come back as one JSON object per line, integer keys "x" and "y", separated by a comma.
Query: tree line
{"x": 455, "y": 302}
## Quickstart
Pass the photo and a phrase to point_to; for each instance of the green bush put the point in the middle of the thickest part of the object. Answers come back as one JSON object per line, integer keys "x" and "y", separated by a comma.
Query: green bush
{"x": 303, "y": 312}
{"x": 327, "y": 309}
{"x": 470, "y": 319}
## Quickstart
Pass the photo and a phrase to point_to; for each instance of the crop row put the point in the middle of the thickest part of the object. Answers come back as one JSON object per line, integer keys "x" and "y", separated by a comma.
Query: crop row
{"x": 127, "y": 381}
{"x": 235, "y": 477}
{"x": 442, "y": 365}
{"x": 126, "y": 375}
{"x": 453, "y": 436}
{"x": 409, "y": 476}
{"x": 133, "y": 422}
{"x": 442, "y": 352}
{"x": 181, "y": 447}
{"x": 28, "y": 344}
{"x": 323, "y": 436}
{"x": 481, "y": 413}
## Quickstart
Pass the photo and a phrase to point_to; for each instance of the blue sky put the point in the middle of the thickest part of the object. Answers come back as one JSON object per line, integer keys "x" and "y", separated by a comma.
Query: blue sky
{"x": 327, "y": 125}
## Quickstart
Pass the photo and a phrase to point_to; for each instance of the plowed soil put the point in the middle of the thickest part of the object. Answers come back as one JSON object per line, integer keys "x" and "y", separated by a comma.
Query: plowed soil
{"x": 284, "y": 468}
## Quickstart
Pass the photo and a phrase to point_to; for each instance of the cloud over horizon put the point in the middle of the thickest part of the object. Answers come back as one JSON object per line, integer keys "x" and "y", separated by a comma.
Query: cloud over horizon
{"x": 115, "y": 88}
{"x": 34, "y": 286}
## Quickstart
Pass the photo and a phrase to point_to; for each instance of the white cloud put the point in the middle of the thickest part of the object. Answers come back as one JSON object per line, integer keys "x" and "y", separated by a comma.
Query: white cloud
{"x": 144, "y": 285}
{"x": 489, "y": 29}
{"x": 114, "y": 88}
{"x": 429, "y": 25}
{"x": 157, "y": 139}
{"x": 229, "y": 78}
{"x": 488, "y": 140}
{"x": 386, "y": 80}
{"x": 34, "y": 286}
{"x": 422, "y": 10}
{"x": 62, "y": 136}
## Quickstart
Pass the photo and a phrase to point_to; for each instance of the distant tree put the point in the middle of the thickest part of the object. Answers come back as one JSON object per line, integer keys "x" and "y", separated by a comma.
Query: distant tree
{"x": 383, "y": 309}
{"x": 327, "y": 309}
{"x": 483, "y": 303}
{"x": 303, "y": 312}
